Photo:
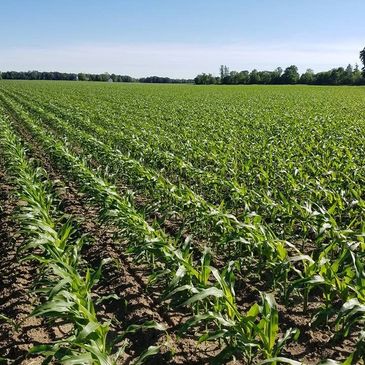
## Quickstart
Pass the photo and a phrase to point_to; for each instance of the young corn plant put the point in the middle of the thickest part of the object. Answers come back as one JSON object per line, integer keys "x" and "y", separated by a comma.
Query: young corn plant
{"x": 250, "y": 336}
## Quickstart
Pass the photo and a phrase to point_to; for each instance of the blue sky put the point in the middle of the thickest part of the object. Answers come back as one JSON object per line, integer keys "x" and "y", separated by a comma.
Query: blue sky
{"x": 179, "y": 38}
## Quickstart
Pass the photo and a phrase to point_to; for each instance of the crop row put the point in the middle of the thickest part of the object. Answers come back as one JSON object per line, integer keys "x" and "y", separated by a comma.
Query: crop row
{"x": 64, "y": 283}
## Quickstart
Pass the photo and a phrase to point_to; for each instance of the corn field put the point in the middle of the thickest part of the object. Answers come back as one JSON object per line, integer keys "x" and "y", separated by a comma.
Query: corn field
{"x": 178, "y": 224}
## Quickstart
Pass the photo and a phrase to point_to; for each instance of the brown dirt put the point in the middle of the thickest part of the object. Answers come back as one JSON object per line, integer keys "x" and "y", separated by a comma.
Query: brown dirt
{"x": 315, "y": 342}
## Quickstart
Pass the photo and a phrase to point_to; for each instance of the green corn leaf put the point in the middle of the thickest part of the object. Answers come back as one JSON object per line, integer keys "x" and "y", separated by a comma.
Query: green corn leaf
{"x": 78, "y": 359}
{"x": 152, "y": 350}
{"x": 204, "y": 293}
{"x": 283, "y": 360}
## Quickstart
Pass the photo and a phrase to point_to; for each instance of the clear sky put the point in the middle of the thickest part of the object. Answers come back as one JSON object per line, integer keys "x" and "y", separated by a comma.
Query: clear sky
{"x": 179, "y": 38}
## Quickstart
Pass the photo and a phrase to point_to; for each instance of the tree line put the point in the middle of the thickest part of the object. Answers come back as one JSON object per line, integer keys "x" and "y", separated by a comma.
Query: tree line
{"x": 337, "y": 76}
{"x": 104, "y": 77}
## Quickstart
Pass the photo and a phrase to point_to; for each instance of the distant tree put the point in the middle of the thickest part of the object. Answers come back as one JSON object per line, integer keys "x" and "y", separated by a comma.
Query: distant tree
{"x": 254, "y": 77}
{"x": 357, "y": 78}
{"x": 126, "y": 78}
{"x": 104, "y": 77}
{"x": 265, "y": 77}
{"x": 322, "y": 78}
{"x": 276, "y": 75}
{"x": 233, "y": 78}
{"x": 82, "y": 77}
{"x": 308, "y": 77}
{"x": 349, "y": 73}
{"x": 72, "y": 77}
{"x": 362, "y": 58}
{"x": 0, "y": 75}
{"x": 205, "y": 79}
{"x": 244, "y": 77}
{"x": 290, "y": 75}
{"x": 337, "y": 76}
{"x": 223, "y": 71}
{"x": 46, "y": 76}
{"x": 34, "y": 75}
{"x": 224, "y": 74}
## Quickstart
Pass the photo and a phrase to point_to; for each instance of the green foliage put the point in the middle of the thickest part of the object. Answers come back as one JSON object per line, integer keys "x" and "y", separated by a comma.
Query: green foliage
{"x": 259, "y": 183}
{"x": 362, "y": 58}
{"x": 336, "y": 76}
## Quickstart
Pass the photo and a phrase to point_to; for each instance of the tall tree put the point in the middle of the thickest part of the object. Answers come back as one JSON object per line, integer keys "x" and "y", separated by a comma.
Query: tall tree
{"x": 290, "y": 75}
{"x": 104, "y": 77}
{"x": 349, "y": 72}
{"x": 254, "y": 77}
{"x": 205, "y": 79}
{"x": 362, "y": 58}
{"x": 357, "y": 77}
{"x": 244, "y": 77}
{"x": 307, "y": 77}
{"x": 276, "y": 75}
{"x": 224, "y": 74}
{"x": 82, "y": 77}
